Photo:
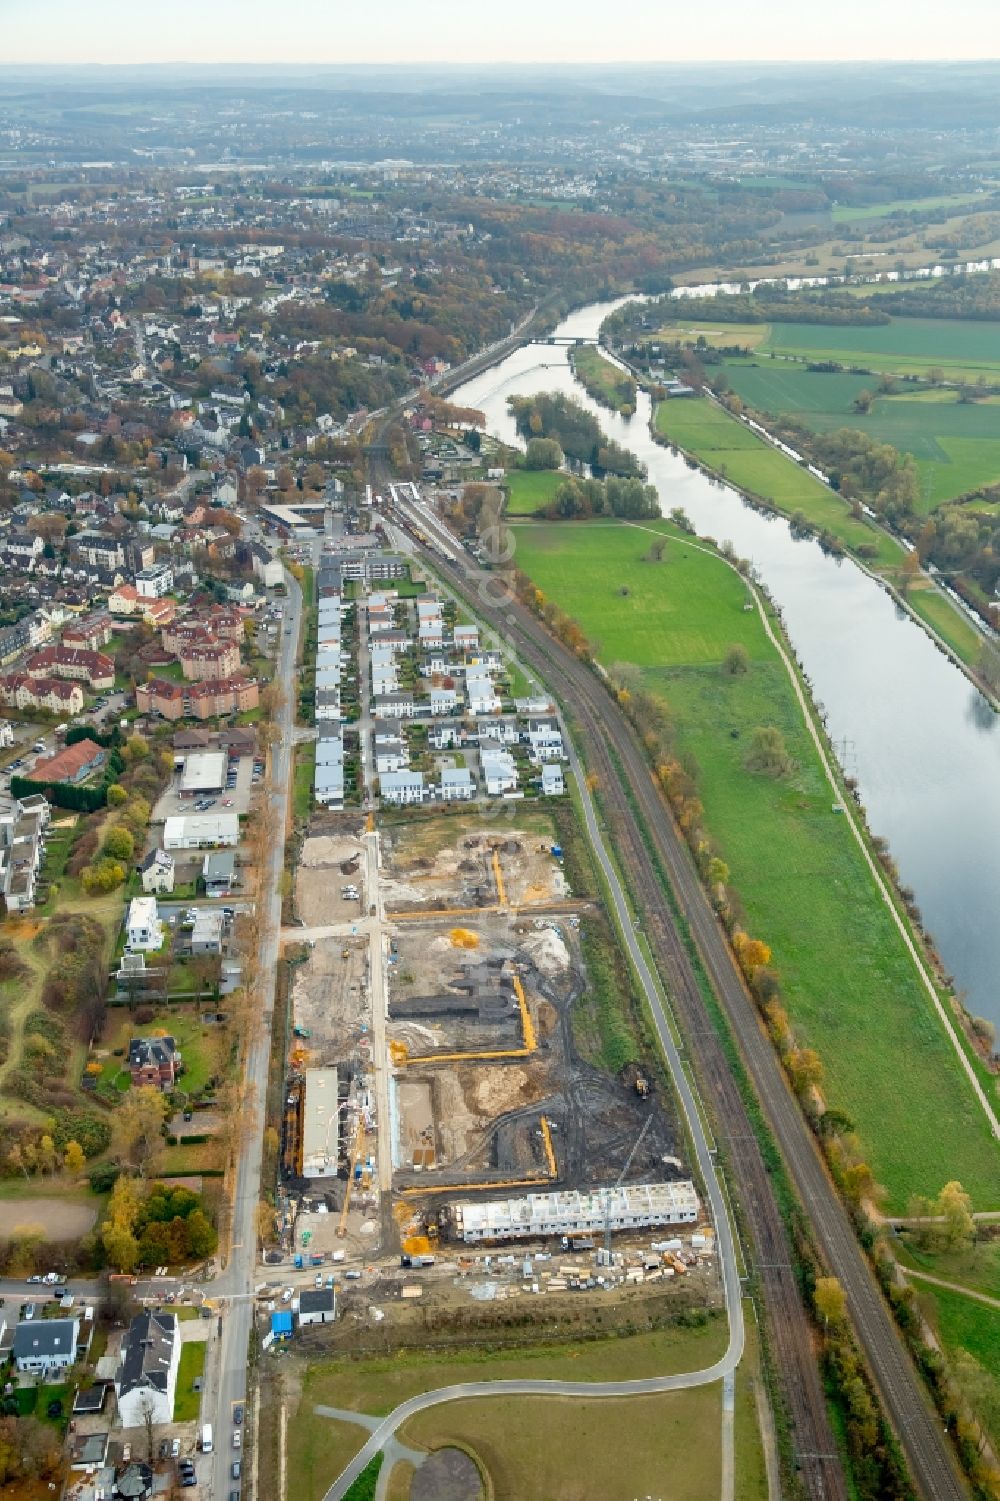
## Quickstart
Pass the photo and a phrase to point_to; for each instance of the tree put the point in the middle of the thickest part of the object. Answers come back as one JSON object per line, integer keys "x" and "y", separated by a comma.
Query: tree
{"x": 768, "y": 754}
{"x": 147, "y": 1417}
{"x": 101, "y": 877}
{"x": 74, "y": 1159}
{"x": 543, "y": 453}
{"x": 116, "y": 795}
{"x": 26, "y": 1244}
{"x": 119, "y": 844}
{"x": 909, "y": 572}
{"x": 737, "y": 660}
{"x": 954, "y": 1207}
{"x": 863, "y": 402}
{"x": 137, "y": 1131}
{"x": 829, "y": 1300}
{"x": 136, "y": 748}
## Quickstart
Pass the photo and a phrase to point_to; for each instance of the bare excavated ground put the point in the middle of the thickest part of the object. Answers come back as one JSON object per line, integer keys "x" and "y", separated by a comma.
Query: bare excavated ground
{"x": 327, "y": 864}
{"x": 477, "y": 1121}
{"x": 449, "y": 862}
{"x": 330, "y": 1001}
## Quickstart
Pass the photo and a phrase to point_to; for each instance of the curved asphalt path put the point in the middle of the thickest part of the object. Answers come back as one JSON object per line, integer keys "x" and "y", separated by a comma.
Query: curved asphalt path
{"x": 651, "y": 1385}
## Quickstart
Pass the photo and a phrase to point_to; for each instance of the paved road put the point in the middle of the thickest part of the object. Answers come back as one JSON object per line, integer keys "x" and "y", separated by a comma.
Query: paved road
{"x": 724, "y": 1368}
{"x": 228, "y": 1376}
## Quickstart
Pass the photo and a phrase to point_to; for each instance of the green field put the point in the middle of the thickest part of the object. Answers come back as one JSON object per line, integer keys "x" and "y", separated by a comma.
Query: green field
{"x": 956, "y": 444}
{"x": 530, "y": 490}
{"x": 602, "y": 379}
{"x": 906, "y": 345}
{"x": 675, "y": 1434}
{"x": 976, "y": 1266}
{"x": 725, "y": 444}
{"x": 324, "y": 1445}
{"x": 187, "y": 1402}
{"x": 965, "y": 1324}
{"x": 848, "y": 984}
{"x": 846, "y": 212}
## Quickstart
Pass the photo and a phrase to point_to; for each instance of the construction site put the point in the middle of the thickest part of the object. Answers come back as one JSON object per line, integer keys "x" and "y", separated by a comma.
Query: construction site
{"x": 435, "y": 1008}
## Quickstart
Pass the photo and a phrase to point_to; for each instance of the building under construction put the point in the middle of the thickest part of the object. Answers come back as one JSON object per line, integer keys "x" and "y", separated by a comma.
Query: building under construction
{"x": 320, "y": 1124}
{"x": 634, "y": 1206}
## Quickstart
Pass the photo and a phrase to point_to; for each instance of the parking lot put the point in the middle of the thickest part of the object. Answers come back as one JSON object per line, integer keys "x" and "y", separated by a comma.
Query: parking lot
{"x": 233, "y": 798}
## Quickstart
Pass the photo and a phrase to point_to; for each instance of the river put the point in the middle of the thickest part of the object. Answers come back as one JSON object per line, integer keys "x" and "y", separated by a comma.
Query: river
{"x": 921, "y": 741}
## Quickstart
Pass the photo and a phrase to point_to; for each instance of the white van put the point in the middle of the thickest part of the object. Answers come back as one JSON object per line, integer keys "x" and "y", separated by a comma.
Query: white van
{"x": 206, "y": 1438}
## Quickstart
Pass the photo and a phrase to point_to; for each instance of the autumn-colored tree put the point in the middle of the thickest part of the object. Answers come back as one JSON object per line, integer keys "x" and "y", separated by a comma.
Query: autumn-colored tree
{"x": 954, "y": 1208}
{"x": 136, "y": 1133}
{"x": 74, "y": 1158}
{"x": 830, "y": 1301}
{"x": 752, "y": 953}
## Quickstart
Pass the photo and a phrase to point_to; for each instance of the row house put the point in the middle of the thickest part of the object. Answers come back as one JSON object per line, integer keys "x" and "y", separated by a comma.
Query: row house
{"x": 545, "y": 741}
{"x": 54, "y": 694}
{"x": 445, "y": 736}
{"x": 92, "y": 667}
{"x": 456, "y": 785}
{"x": 443, "y": 701}
{"x": 21, "y": 850}
{"x": 498, "y": 768}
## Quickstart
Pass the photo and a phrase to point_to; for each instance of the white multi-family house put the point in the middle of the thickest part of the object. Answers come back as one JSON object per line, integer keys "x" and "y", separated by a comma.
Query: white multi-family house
{"x": 457, "y": 785}
{"x": 443, "y": 700}
{"x": 402, "y": 787}
{"x": 146, "y": 1379}
{"x": 481, "y": 693}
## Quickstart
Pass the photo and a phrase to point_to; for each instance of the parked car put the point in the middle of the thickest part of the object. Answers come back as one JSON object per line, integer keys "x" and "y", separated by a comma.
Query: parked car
{"x": 235, "y": 1469}
{"x": 238, "y": 1414}
{"x": 237, "y": 1438}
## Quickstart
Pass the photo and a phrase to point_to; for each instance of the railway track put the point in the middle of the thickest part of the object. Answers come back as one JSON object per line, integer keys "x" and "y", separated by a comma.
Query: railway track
{"x": 613, "y": 752}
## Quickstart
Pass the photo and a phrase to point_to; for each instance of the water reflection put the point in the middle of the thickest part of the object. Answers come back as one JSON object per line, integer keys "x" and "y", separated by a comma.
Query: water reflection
{"x": 922, "y": 745}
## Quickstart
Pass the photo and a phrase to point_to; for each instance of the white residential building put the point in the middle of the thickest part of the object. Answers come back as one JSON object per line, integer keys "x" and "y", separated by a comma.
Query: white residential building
{"x": 402, "y": 787}
{"x": 498, "y": 769}
{"x": 42, "y": 1345}
{"x": 568, "y": 1212}
{"x": 457, "y": 785}
{"x": 146, "y": 1379}
{"x": 144, "y": 930}
{"x": 553, "y": 784}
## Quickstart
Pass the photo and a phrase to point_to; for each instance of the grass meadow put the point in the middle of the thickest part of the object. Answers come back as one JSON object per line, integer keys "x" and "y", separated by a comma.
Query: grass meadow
{"x": 530, "y": 490}
{"x": 956, "y": 444}
{"x": 849, "y": 986}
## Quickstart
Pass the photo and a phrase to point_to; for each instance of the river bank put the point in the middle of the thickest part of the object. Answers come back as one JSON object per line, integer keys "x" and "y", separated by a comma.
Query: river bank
{"x": 899, "y": 715}
{"x": 880, "y": 559}
{"x": 804, "y": 884}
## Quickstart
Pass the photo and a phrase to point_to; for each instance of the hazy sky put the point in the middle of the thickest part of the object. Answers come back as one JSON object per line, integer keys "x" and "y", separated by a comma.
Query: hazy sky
{"x": 344, "y": 31}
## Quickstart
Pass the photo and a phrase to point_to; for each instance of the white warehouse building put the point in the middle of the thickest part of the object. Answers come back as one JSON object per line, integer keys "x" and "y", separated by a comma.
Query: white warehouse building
{"x": 635, "y": 1206}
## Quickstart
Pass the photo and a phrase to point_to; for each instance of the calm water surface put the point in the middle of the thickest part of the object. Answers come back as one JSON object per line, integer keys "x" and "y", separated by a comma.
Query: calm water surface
{"x": 922, "y": 743}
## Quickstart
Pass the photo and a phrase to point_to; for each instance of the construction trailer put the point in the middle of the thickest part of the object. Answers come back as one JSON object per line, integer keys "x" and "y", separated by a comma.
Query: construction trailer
{"x": 633, "y": 1206}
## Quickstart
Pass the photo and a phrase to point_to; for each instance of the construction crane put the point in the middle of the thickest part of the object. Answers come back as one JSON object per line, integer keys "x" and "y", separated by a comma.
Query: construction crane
{"x": 359, "y": 1144}
{"x": 608, "y": 1192}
